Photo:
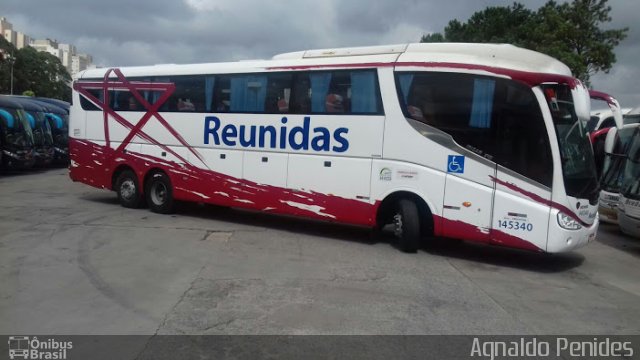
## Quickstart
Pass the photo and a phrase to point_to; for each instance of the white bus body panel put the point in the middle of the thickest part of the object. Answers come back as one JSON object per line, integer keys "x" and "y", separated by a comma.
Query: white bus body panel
{"x": 519, "y": 215}
{"x": 607, "y": 204}
{"x": 265, "y": 168}
{"x": 331, "y": 175}
{"x": 629, "y": 216}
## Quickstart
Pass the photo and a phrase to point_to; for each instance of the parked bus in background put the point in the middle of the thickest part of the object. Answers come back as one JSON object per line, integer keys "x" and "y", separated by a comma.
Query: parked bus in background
{"x": 628, "y": 208}
{"x": 616, "y": 152}
{"x": 58, "y": 119}
{"x": 59, "y": 103}
{"x": 43, "y": 139}
{"x": 479, "y": 142}
{"x": 16, "y": 138}
{"x": 600, "y": 123}
{"x": 603, "y": 119}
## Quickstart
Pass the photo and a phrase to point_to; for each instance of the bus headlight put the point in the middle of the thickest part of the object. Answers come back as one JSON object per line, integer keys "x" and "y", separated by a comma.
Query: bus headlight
{"x": 567, "y": 222}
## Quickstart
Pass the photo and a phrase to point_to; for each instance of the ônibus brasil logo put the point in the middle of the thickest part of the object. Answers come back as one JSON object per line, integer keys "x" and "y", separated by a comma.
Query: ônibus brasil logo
{"x": 25, "y": 347}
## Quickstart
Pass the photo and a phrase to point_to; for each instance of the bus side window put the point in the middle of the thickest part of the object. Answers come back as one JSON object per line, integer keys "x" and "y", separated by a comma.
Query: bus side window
{"x": 190, "y": 94}
{"x": 338, "y": 98}
{"x": 278, "y": 93}
{"x": 222, "y": 91}
{"x": 301, "y": 94}
{"x": 607, "y": 123}
{"x": 88, "y": 105}
{"x": 364, "y": 92}
{"x": 248, "y": 93}
{"x": 522, "y": 123}
{"x": 497, "y": 119}
{"x": 336, "y": 92}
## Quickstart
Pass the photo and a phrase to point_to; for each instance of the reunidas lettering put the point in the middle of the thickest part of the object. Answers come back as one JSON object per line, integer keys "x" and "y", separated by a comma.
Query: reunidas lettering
{"x": 297, "y": 138}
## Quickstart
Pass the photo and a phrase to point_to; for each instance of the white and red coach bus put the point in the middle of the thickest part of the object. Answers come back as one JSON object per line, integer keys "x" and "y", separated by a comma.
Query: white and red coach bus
{"x": 471, "y": 141}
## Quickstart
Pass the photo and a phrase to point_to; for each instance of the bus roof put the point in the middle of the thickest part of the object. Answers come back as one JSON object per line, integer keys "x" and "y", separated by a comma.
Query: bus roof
{"x": 634, "y": 111}
{"x": 51, "y": 107}
{"x": 495, "y": 55}
{"x": 487, "y": 55}
{"x": 8, "y": 102}
{"x": 29, "y": 104}
{"x": 57, "y": 102}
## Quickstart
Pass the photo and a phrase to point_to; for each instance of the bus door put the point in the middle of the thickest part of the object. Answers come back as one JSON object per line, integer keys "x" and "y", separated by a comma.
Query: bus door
{"x": 524, "y": 173}
{"x": 468, "y": 198}
{"x": 520, "y": 211}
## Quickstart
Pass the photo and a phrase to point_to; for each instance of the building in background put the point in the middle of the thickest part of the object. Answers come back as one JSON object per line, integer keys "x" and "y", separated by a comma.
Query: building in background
{"x": 80, "y": 62}
{"x": 73, "y": 61}
{"x": 22, "y": 40}
{"x": 6, "y": 29}
{"x": 48, "y": 45}
{"x": 68, "y": 51}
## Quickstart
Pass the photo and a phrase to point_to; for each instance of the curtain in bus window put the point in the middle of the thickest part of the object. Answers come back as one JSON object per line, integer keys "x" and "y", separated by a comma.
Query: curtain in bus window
{"x": 248, "y": 93}
{"x": 482, "y": 105}
{"x": 8, "y": 118}
{"x": 146, "y": 94}
{"x": 405, "y": 85}
{"x": 114, "y": 98}
{"x": 209, "y": 83}
{"x": 363, "y": 92}
{"x": 319, "y": 88}
{"x": 155, "y": 95}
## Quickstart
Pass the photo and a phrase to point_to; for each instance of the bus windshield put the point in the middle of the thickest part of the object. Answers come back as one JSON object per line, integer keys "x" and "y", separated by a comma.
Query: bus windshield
{"x": 41, "y": 129}
{"x": 17, "y": 131}
{"x": 614, "y": 167}
{"x": 630, "y": 187}
{"x": 578, "y": 165}
{"x": 631, "y": 119}
{"x": 43, "y": 125}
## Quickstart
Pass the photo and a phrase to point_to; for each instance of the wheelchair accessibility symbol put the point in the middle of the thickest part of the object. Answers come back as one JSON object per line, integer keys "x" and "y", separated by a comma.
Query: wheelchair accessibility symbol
{"x": 455, "y": 164}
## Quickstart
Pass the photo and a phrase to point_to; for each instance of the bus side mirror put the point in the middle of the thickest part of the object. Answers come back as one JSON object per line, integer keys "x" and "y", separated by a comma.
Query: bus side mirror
{"x": 613, "y": 105}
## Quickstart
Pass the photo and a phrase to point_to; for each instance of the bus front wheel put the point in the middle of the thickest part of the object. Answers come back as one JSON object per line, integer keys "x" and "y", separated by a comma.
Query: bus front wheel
{"x": 128, "y": 190}
{"x": 159, "y": 193}
{"x": 406, "y": 225}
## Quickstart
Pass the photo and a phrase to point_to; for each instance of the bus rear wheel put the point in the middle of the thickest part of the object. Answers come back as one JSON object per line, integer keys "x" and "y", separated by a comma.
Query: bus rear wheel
{"x": 159, "y": 193}
{"x": 128, "y": 190}
{"x": 406, "y": 225}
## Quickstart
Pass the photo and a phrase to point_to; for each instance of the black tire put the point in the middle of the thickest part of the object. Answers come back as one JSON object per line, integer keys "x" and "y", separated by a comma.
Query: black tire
{"x": 159, "y": 193}
{"x": 406, "y": 225}
{"x": 128, "y": 190}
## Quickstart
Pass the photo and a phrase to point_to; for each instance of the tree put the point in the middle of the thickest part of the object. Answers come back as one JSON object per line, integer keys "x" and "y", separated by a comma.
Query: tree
{"x": 571, "y": 32}
{"x": 7, "y": 56}
{"x": 41, "y": 73}
{"x": 491, "y": 25}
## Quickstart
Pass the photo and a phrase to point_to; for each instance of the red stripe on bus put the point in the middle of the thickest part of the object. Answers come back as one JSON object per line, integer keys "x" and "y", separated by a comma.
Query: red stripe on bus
{"x": 541, "y": 200}
{"x": 529, "y": 78}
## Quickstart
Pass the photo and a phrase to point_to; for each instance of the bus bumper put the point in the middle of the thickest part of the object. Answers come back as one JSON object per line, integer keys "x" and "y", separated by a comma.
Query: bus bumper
{"x": 628, "y": 225}
{"x": 21, "y": 160}
{"x": 607, "y": 207}
{"x": 563, "y": 240}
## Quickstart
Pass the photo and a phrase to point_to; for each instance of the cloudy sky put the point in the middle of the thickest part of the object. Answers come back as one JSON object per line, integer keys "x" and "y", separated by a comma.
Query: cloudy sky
{"x": 142, "y": 32}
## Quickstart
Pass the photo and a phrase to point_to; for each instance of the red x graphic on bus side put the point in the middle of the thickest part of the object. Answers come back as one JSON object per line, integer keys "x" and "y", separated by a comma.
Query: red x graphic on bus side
{"x": 121, "y": 83}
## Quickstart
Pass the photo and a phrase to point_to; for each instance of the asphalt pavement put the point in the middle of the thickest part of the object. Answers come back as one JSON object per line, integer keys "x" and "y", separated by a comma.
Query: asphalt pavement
{"x": 72, "y": 261}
